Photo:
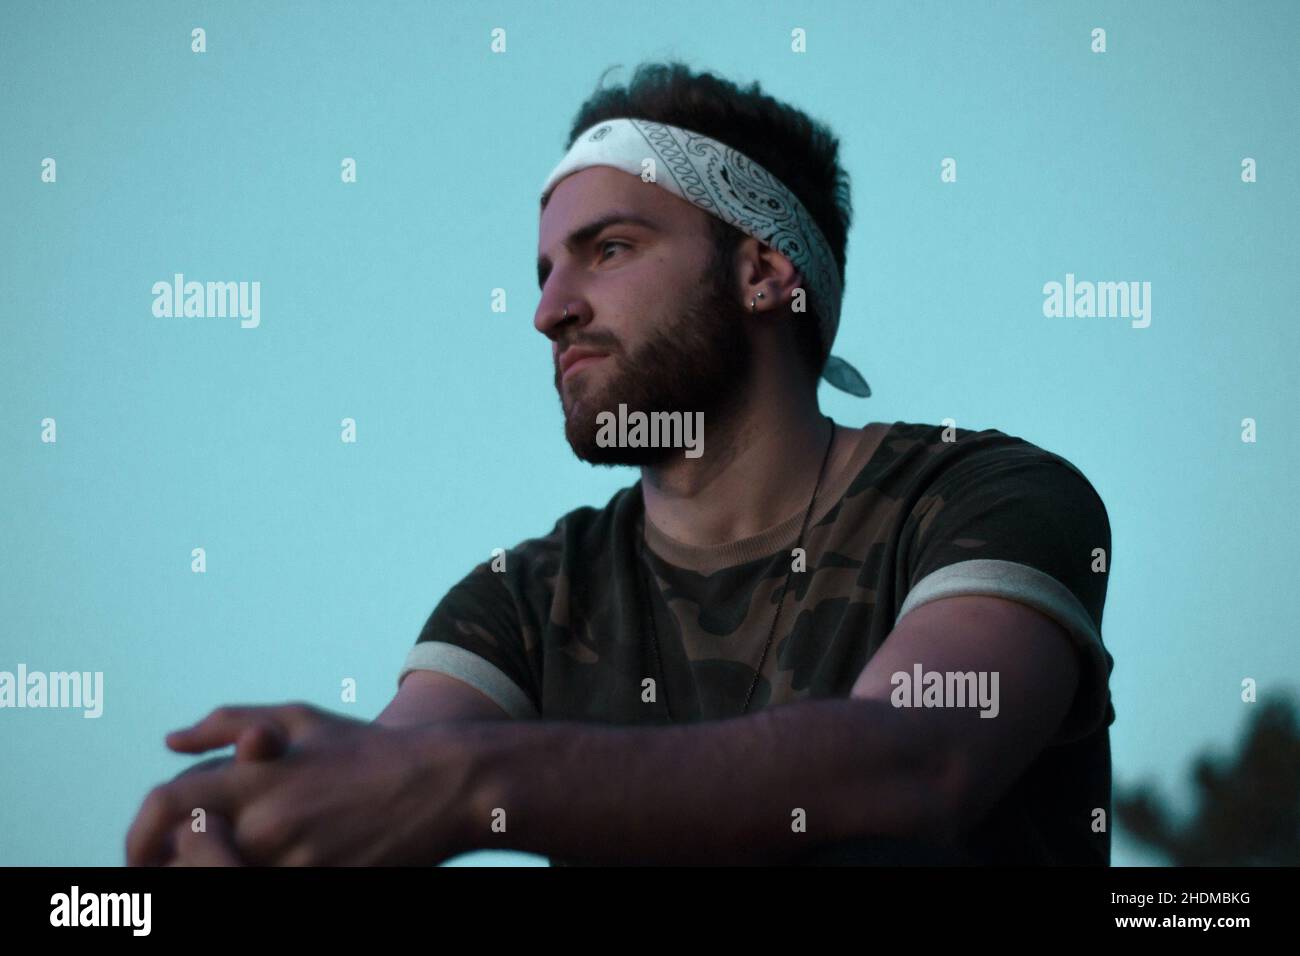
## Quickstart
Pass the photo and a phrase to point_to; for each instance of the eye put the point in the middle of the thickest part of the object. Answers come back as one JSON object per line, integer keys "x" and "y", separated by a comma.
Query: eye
{"x": 610, "y": 242}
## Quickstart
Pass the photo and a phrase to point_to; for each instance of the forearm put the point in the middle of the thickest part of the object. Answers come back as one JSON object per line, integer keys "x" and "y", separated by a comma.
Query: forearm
{"x": 727, "y": 791}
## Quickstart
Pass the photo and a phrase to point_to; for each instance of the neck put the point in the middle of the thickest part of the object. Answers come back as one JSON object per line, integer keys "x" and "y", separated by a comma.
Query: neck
{"x": 758, "y": 467}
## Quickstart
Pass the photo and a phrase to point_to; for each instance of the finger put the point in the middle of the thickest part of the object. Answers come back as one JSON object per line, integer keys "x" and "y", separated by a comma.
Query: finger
{"x": 223, "y": 727}
{"x": 263, "y": 741}
{"x": 215, "y": 847}
{"x": 148, "y": 842}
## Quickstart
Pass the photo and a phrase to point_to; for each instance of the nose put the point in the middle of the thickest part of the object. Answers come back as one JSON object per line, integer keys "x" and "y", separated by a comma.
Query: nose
{"x": 552, "y": 317}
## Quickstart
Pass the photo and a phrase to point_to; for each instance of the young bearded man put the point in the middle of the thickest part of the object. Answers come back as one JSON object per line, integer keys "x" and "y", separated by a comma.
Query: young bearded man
{"x": 794, "y": 642}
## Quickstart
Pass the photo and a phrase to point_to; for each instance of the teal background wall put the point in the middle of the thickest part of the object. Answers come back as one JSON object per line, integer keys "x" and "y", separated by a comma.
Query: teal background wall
{"x": 324, "y": 558}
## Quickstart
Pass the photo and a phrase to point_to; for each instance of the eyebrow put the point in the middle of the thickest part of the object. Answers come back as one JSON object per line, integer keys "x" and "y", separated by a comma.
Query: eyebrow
{"x": 585, "y": 234}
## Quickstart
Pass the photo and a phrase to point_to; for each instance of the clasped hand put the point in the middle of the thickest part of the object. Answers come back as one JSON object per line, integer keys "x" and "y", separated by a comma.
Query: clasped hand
{"x": 307, "y": 788}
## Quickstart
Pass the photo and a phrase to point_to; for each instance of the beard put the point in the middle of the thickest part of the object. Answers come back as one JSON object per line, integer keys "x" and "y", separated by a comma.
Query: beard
{"x": 700, "y": 361}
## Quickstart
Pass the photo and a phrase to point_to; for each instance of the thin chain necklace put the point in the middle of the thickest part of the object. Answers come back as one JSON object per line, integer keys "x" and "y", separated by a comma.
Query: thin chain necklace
{"x": 653, "y": 628}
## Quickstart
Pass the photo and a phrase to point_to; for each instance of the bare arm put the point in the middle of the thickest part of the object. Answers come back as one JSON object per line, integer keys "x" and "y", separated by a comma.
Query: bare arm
{"x": 734, "y": 791}
{"x": 424, "y": 697}
{"x": 427, "y": 696}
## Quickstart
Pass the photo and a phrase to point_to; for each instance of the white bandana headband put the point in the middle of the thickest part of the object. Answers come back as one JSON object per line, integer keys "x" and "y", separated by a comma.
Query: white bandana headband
{"x": 727, "y": 184}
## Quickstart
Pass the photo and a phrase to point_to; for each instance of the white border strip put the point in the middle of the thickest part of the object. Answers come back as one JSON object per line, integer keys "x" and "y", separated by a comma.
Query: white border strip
{"x": 1007, "y": 579}
{"x": 479, "y": 673}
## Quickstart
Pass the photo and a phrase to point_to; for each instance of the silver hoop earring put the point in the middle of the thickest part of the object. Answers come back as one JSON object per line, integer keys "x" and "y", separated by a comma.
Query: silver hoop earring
{"x": 751, "y": 301}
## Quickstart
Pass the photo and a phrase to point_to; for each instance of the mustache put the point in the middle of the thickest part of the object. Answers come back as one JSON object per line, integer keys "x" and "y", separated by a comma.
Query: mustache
{"x": 608, "y": 345}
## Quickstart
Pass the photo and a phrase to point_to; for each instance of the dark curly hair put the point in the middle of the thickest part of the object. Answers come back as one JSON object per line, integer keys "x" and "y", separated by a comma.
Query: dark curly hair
{"x": 800, "y": 152}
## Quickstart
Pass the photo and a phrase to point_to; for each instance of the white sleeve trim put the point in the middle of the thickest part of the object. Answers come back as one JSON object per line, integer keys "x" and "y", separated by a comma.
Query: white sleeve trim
{"x": 479, "y": 673}
{"x": 1006, "y": 579}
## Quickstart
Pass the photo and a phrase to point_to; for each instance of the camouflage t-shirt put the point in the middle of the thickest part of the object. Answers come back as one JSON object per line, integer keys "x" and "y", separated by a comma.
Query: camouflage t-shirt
{"x": 561, "y": 631}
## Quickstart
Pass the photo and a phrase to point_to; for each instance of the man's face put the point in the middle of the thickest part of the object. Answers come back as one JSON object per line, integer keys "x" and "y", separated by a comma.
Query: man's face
{"x": 650, "y": 297}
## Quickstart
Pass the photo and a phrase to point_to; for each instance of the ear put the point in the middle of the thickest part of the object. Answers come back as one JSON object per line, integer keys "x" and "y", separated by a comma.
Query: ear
{"x": 762, "y": 269}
